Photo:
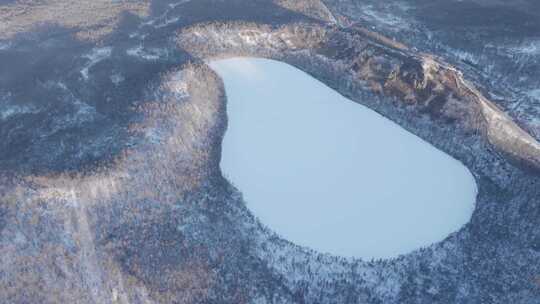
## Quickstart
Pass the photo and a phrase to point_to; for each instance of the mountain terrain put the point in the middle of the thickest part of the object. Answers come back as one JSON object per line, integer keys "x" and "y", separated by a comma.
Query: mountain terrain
{"x": 111, "y": 125}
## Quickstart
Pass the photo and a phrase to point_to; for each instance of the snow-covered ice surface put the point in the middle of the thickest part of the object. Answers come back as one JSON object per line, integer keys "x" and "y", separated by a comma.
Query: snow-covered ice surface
{"x": 330, "y": 174}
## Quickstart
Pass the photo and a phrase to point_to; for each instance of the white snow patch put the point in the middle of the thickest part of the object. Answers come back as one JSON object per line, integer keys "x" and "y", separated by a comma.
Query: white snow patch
{"x": 84, "y": 111}
{"x": 7, "y": 111}
{"x": 248, "y": 69}
{"x": 174, "y": 5}
{"x": 153, "y": 136}
{"x": 156, "y": 23}
{"x": 330, "y": 174}
{"x": 534, "y": 120}
{"x": 534, "y": 94}
{"x": 529, "y": 48}
{"x": 177, "y": 86}
{"x": 167, "y": 22}
{"x": 150, "y": 54}
{"x": 117, "y": 78}
{"x": 136, "y": 34}
{"x": 95, "y": 56}
{"x": 60, "y": 194}
{"x": 4, "y": 45}
{"x": 382, "y": 17}
{"x": 389, "y": 20}
{"x": 465, "y": 56}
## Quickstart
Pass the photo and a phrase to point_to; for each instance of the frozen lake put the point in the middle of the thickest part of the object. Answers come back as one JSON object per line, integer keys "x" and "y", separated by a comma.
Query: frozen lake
{"x": 330, "y": 174}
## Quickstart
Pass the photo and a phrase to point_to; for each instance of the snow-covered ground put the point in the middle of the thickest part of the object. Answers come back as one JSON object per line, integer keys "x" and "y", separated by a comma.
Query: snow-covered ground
{"x": 327, "y": 173}
{"x": 94, "y": 57}
{"x": 147, "y": 54}
{"x": 535, "y": 94}
{"x": 4, "y": 45}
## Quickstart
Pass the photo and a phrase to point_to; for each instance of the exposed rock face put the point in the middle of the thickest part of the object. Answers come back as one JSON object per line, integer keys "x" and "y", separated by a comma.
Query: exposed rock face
{"x": 110, "y": 189}
{"x": 494, "y": 42}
